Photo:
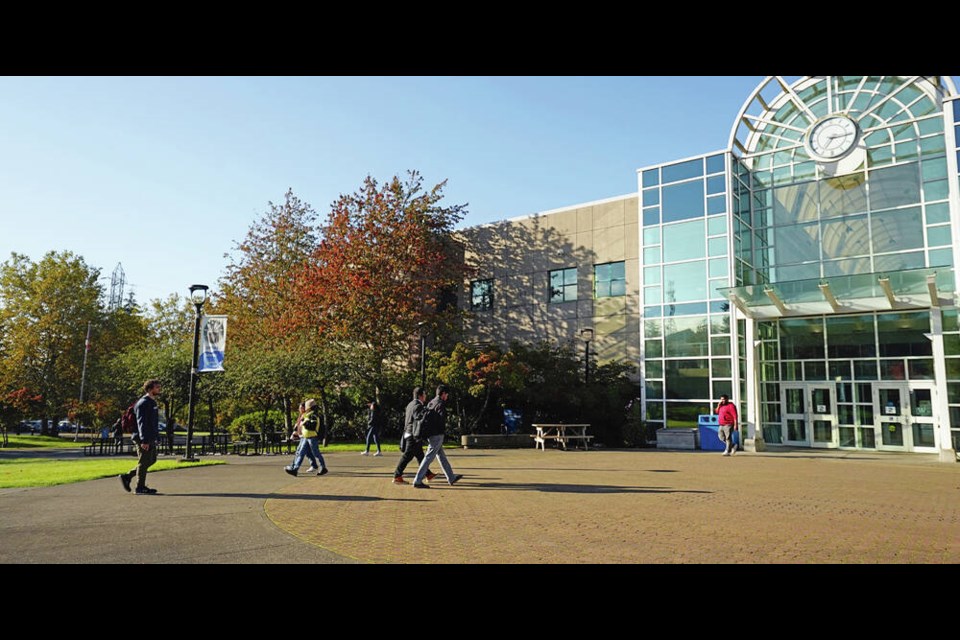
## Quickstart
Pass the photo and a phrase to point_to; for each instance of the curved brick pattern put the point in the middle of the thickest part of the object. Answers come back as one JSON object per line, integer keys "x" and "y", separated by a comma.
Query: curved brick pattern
{"x": 521, "y": 506}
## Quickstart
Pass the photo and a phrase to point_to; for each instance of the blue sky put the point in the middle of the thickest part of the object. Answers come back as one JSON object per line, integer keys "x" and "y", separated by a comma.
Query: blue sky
{"x": 164, "y": 174}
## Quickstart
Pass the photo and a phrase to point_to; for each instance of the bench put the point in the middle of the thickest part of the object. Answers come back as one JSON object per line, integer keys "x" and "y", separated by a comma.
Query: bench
{"x": 563, "y": 434}
{"x": 242, "y": 445}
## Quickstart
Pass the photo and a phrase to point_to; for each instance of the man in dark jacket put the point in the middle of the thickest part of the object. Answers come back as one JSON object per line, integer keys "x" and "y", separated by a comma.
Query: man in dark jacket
{"x": 436, "y": 427}
{"x": 411, "y": 447}
{"x": 145, "y": 437}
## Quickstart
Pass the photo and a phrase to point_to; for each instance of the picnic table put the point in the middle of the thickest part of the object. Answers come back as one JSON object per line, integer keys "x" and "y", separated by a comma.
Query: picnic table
{"x": 562, "y": 434}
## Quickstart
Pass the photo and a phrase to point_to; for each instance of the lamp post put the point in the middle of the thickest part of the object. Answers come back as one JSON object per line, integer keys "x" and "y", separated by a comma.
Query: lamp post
{"x": 423, "y": 361}
{"x": 586, "y": 335}
{"x": 198, "y": 294}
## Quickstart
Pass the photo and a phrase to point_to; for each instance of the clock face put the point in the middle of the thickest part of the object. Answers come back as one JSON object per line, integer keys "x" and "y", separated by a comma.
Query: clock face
{"x": 832, "y": 138}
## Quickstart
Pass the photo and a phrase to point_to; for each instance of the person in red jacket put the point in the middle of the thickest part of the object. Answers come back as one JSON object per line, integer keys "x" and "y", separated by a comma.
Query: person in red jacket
{"x": 729, "y": 422}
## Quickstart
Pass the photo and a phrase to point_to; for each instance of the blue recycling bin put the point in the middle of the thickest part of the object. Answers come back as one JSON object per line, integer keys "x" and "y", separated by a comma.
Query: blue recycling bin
{"x": 709, "y": 427}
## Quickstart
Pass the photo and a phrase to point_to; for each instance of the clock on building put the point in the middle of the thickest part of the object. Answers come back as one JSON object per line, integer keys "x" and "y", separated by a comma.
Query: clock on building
{"x": 832, "y": 138}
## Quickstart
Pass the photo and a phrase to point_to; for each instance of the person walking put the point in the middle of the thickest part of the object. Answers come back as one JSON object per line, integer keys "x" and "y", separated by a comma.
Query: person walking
{"x": 411, "y": 447}
{"x": 117, "y": 432}
{"x": 375, "y": 422}
{"x": 145, "y": 437}
{"x": 436, "y": 427}
{"x": 309, "y": 425}
{"x": 729, "y": 423}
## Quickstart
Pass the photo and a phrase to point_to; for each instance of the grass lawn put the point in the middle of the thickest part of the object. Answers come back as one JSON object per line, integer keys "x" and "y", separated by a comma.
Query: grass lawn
{"x": 43, "y": 442}
{"x": 45, "y": 472}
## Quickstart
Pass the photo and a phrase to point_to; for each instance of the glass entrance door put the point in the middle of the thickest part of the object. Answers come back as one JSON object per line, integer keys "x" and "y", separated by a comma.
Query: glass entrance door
{"x": 904, "y": 416}
{"x": 809, "y": 414}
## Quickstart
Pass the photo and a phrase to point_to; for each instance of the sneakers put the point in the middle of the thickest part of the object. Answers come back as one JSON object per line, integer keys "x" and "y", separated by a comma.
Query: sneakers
{"x": 399, "y": 480}
{"x": 364, "y": 453}
{"x": 323, "y": 472}
{"x": 726, "y": 453}
{"x": 455, "y": 478}
{"x": 420, "y": 485}
{"x": 313, "y": 470}
{"x": 125, "y": 481}
{"x": 378, "y": 454}
{"x": 146, "y": 491}
{"x": 431, "y": 475}
{"x": 291, "y": 471}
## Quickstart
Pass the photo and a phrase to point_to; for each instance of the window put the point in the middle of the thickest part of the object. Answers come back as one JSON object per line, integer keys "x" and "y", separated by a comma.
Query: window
{"x": 481, "y": 295}
{"x": 609, "y": 280}
{"x": 563, "y": 285}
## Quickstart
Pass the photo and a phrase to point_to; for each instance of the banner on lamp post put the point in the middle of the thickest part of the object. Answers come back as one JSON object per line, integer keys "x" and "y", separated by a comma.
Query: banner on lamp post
{"x": 213, "y": 341}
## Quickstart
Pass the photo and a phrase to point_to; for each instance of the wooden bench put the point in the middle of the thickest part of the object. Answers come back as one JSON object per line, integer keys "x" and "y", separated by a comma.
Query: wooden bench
{"x": 563, "y": 434}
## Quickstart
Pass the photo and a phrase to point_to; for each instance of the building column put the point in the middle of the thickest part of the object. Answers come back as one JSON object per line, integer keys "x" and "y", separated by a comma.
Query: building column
{"x": 751, "y": 431}
{"x": 941, "y": 407}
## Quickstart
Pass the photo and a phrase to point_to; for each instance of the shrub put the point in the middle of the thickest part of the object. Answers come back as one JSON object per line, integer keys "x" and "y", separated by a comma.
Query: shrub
{"x": 250, "y": 422}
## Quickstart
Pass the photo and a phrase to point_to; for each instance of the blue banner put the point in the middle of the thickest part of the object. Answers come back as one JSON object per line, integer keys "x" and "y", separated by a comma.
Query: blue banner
{"x": 213, "y": 341}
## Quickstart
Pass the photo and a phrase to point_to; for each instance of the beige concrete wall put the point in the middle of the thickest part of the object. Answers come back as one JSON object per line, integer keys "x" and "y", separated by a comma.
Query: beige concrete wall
{"x": 519, "y": 254}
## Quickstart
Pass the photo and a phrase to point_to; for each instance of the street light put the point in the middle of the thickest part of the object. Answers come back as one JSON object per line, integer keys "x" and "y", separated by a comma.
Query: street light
{"x": 198, "y": 294}
{"x": 586, "y": 335}
{"x": 423, "y": 362}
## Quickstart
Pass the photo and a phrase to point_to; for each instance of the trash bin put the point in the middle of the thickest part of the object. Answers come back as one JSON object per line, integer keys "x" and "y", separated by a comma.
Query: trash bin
{"x": 709, "y": 426}
{"x": 709, "y": 433}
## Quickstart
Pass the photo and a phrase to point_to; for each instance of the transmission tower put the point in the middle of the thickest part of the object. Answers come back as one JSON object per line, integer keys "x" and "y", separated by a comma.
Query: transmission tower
{"x": 116, "y": 288}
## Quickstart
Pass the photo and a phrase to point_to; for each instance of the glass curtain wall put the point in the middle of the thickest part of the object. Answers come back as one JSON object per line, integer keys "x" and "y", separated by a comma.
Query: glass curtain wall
{"x": 687, "y": 338}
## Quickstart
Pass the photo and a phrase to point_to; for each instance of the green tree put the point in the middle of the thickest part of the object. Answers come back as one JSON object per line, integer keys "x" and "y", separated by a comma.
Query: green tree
{"x": 44, "y": 310}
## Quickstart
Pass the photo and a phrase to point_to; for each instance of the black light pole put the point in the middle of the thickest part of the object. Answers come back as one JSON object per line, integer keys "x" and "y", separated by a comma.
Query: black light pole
{"x": 586, "y": 335}
{"x": 423, "y": 362}
{"x": 198, "y": 294}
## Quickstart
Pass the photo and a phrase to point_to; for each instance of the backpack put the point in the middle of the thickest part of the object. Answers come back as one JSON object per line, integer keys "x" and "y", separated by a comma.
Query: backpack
{"x": 128, "y": 421}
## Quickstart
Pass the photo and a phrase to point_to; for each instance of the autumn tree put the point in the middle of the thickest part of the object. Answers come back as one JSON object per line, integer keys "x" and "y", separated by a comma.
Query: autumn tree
{"x": 383, "y": 265}
{"x": 259, "y": 286}
{"x": 45, "y": 307}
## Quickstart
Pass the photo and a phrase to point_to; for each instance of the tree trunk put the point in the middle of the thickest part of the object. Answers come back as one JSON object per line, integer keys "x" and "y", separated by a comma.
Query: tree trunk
{"x": 323, "y": 413}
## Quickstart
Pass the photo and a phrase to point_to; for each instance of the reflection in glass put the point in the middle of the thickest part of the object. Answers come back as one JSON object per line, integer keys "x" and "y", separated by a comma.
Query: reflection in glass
{"x": 687, "y": 379}
{"x": 865, "y": 414}
{"x": 892, "y": 370}
{"x": 814, "y": 370}
{"x": 902, "y": 334}
{"x": 795, "y": 401}
{"x": 848, "y": 436}
{"x": 684, "y": 241}
{"x": 796, "y": 430}
{"x": 851, "y": 337}
{"x": 822, "y": 431}
{"x": 891, "y": 434}
{"x": 801, "y": 338}
{"x": 685, "y": 337}
{"x": 685, "y": 282}
{"x": 654, "y": 389}
{"x": 894, "y": 186}
{"x": 843, "y": 195}
{"x": 846, "y": 237}
{"x": 683, "y": 201}
{"x": 889, "y": 401}
{"x": 845, "y": 414}
{"x": 820, "y": 397}
{"x": 896, "y": 230}
{"x": 922, "y": 434}
{"x": 921, "y": 402}
{"x": 685, "y": 414}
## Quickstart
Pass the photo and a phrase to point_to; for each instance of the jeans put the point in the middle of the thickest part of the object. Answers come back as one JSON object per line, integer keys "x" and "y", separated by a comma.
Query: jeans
{"x": 373, "y": 434}
{"x": 309, "y": 448}
{"x": 434, "y": 450}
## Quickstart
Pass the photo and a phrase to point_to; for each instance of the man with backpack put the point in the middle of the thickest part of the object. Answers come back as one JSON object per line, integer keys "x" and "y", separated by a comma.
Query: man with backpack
{"x": 433, "y": 427}
{"x": 410, "y": 445}
{"x": 145, "y": 437}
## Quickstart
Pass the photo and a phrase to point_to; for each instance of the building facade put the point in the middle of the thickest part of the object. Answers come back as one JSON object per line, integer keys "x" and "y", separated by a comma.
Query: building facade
{"x": 808, "y": 270}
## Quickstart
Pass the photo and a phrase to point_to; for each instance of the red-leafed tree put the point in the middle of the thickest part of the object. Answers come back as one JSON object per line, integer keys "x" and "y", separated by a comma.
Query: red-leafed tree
{"x": 258, "y": 288}
{"x": 385, "y": 263}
